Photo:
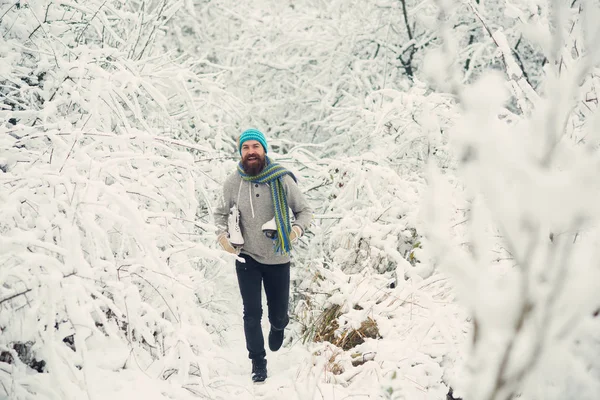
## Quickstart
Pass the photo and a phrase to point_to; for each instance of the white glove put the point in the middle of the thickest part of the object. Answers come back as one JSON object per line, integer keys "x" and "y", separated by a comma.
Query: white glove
{"x": 295, "y": 233}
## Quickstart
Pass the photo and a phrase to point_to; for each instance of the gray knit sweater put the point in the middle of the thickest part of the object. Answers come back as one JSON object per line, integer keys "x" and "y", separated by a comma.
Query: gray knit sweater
{"x": 256, "y": 207}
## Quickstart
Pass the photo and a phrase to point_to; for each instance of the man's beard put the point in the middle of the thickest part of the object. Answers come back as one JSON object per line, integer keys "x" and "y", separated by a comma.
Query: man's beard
{"x": 255, "y": 167}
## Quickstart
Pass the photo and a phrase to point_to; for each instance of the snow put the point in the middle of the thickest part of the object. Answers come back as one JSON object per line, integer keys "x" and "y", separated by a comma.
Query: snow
{"x": 455, "y": 197}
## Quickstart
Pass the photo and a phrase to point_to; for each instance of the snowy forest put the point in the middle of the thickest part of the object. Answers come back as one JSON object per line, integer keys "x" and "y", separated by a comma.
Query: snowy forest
{"x": 450, "y": 150}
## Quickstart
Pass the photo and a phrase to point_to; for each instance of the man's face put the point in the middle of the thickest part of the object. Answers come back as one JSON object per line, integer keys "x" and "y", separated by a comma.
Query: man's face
{"x": 253, "y": 157}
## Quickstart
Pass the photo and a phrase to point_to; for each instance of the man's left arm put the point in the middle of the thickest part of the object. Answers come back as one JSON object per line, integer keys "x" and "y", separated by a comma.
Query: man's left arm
{"x": 299, "y": 205}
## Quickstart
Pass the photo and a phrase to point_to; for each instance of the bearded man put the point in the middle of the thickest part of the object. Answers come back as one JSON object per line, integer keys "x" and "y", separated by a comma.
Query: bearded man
{"x": 253, "y": 221}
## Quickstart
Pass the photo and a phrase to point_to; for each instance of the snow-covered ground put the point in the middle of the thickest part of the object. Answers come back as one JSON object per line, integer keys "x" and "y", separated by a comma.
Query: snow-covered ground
{"x": 449, "y": 149}
{"x": 413, "y": 340}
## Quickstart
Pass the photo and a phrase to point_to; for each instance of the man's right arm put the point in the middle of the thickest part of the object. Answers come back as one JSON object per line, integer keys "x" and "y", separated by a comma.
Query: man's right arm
{"x": 221, "y": 213}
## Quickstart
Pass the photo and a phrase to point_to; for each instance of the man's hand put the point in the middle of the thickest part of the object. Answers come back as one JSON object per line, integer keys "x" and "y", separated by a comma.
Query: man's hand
{"x": 226, "y": 244}
{"x": 295, "y": 233}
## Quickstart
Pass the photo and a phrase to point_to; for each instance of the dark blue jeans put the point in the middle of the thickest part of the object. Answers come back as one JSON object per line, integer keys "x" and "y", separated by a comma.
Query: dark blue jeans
{"x": 276, "y": 279}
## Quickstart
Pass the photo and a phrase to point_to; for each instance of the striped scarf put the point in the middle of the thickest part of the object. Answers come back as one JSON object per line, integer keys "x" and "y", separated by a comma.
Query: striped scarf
{"x": 272, "y": 174}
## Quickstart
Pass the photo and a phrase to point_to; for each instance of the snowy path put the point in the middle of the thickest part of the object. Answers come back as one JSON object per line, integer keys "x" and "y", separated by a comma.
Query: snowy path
{"x": 294, "y": 372}
{"x": 226, "y": 373}
{"x": 291, "y": 370}
{"x": 285, "y": 367}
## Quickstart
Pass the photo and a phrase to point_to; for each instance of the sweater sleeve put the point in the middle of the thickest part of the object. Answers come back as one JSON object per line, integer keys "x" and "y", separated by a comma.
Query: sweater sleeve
{"x": 298, "y": 203}
{"x": 221, "y": 212}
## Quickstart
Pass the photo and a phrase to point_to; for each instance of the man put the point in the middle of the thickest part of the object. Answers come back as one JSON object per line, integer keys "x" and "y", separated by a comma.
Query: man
{"x": 262, "y": 192}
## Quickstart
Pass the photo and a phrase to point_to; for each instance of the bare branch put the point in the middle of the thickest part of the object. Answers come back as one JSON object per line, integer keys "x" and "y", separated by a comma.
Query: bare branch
{"x": 14, "y": 296}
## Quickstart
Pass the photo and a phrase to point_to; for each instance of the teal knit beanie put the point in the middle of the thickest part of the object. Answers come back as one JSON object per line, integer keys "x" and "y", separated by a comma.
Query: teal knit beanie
{"x": 253, "y": 134}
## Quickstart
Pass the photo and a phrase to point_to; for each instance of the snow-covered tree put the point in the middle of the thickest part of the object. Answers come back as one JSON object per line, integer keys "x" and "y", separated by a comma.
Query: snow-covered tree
{"x": 523, "y": 250}
{"x": 103, "y": 205}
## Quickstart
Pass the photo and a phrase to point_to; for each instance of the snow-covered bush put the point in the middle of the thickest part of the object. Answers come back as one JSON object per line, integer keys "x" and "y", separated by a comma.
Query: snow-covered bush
{"x": 104, "y": 208}
{"x": 523, "y": 250}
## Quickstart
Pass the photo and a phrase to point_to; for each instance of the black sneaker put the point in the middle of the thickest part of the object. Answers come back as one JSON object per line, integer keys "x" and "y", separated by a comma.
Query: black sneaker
{"x": 275, "y": 339}
{"x": 259, "y": 370}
